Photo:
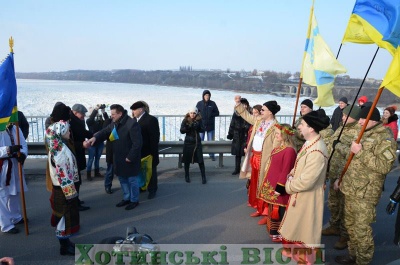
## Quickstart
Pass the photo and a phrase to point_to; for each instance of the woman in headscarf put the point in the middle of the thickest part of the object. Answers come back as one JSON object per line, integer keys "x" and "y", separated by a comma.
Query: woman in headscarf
{"x": 64, "y": 197}
{"x": 272, "y": 189}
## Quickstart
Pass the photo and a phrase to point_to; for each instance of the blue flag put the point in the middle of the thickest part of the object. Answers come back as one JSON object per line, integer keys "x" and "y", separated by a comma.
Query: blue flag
{"x": 8, "y": 92}
{"x": 114, "y": 135}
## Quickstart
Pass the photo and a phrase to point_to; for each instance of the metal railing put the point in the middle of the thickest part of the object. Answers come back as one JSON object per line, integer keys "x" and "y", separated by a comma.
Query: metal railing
{"x": 169, "y": 126}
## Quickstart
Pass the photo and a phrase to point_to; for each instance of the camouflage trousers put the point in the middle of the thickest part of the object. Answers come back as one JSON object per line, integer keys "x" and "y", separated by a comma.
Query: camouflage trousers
{"x": 358, "y": 216}
{"x": 336, "y": 208}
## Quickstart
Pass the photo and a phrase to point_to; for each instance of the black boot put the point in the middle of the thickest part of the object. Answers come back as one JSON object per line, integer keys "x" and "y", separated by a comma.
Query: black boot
{"x": 67, "y": 248}
{"x": 237, "y": 165}
{"x": 203, "y": 173}
{"x": 97, "y": 173}
{"x": 187, "y": 179}
{"x": 89, "y": 175}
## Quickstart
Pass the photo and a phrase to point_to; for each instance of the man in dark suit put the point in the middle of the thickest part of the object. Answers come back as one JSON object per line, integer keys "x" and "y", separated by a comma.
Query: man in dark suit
{"x": 124, "y": 133}
{"x": 151, "y": 137}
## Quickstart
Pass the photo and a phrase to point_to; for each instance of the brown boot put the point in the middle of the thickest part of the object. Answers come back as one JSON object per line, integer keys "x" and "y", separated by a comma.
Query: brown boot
{"x": 89, "y": 175}
{"x": 331, "y": 231}
{"x": 97, "y": 173}
{"x": 341, "y": 243}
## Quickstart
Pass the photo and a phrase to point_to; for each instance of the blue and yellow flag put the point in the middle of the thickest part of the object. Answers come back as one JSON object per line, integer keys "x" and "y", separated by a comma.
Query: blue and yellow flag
{"x": 145, "y": 172}
{"x": 375, "y": 21}
{"x": 392, "y": 77}
{"x": 8, "y": 93}
{"x": 114, "y": 135}
{"x": 320, "y": 66}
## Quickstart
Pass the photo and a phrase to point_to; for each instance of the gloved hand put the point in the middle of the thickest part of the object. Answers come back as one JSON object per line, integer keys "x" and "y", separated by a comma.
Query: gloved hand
{"x": 335, "y": 142}
{"x": 229, "y": 136}
{"x": 21, "y": 158}
{"x": 14, "y": 148}
{"x": 391, "y": 207}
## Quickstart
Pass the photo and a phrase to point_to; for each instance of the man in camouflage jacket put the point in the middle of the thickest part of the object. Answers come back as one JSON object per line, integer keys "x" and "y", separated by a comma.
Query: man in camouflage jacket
{"x": 341, "y": 151}
{"x": 362, "y": 186}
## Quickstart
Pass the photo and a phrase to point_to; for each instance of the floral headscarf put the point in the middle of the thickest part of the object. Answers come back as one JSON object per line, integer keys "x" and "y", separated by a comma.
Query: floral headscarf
{"x": 66, "y": 170}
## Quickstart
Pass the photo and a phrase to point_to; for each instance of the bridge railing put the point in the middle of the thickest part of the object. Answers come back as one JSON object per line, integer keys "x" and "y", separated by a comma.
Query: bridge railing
{"x": 169, "y": 126}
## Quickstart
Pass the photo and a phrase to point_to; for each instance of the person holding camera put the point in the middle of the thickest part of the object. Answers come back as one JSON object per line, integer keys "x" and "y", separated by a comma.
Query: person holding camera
{"x": 10, "y": 204}
{"x": 238, "y": 130}
{"x": 95, "y": 124}
{"x": 192, "y": 126}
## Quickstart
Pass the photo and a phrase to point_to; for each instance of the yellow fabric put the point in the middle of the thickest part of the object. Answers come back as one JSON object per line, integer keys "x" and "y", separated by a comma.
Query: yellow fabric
{"x": 392, "y": 77}
{"x": 320, "y": 66}
{"x": 360, "y": 31}
{"x": 146, "y": 171}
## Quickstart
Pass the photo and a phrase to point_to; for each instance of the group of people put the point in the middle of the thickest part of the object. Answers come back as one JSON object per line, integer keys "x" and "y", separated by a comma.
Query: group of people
{"x": 288, "y": 169}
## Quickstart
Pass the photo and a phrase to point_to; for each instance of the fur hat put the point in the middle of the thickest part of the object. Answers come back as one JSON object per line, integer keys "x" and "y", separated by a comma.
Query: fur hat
{"x": 193, "y": 110}
{"x": 355, "y": 112}
{"x": 79, "y": 108}
{"x": 272, "y": 106}
{"x": 317, "y": 120}
{"x": 308, "y": 103}
{"x": 376, "y": 116}
{"x": 343, "y": 99}
{"x": 137, "y": 105}
{"x": 61, "y": 112}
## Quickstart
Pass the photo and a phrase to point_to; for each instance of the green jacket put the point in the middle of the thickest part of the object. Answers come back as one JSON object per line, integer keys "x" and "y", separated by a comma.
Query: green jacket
{"x": 366, "y": 173}
{"x": 342, "y": 149}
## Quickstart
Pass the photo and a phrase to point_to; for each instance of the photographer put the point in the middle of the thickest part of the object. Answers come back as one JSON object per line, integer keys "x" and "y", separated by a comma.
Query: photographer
{"x": 95, "y": 124}
{"x": 192, "y": 126}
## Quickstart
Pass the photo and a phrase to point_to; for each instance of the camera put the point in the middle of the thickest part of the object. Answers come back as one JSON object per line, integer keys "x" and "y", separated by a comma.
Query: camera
{"x": 102, "y": 106}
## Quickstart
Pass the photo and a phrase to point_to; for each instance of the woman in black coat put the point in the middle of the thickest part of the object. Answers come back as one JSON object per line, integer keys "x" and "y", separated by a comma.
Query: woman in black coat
{"x": 192, "y": 126}
{"x": 238, "y": 130}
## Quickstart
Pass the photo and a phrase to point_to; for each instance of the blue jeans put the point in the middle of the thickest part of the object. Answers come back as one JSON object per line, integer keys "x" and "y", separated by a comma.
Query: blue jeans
{"x": 210, "y": 137}
{"x": 95, "y": 154}
{"x": 109, "y": 176}
{"x": 130, "y": 188}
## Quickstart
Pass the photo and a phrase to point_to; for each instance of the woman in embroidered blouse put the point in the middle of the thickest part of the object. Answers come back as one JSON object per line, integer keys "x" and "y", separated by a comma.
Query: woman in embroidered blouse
{"x": 272, "y": 190}
{"x": 64, "y": 197}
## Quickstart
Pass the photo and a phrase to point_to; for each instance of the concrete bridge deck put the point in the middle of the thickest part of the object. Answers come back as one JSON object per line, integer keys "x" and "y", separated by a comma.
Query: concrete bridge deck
{"x": 181, "y": 213}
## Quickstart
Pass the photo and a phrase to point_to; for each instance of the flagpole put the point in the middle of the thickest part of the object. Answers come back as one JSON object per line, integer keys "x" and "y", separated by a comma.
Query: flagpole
{"x": 302, "y": 66}
{"x": 374, "y": 103}
{"x": 21, "y": 179}
{"x": 352, "y": 105}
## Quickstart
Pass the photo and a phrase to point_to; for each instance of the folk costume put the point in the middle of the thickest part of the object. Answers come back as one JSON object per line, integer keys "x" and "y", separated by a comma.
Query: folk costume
{"x": 280, "y": 163}
{"x": 260, "y": 145}
{"x": 64, "y": 197}
{"x": 302, "y": 223}
{"x": 10, "y": 204}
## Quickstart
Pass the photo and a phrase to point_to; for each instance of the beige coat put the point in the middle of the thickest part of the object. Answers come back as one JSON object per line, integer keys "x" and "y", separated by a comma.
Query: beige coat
{"x": 303, "y": 218}
{"x": 268, "y": 144}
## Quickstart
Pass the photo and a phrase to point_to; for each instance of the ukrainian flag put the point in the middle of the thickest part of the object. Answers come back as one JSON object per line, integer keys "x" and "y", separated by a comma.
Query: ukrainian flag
{"x": 114, "y": 135}
{"x": 8, "y": 93}
{"x": 375, "y": 21}
{"x": 320, "y": 65}
{"x": 392, "y": 77}
{"x": 146, "y": 172}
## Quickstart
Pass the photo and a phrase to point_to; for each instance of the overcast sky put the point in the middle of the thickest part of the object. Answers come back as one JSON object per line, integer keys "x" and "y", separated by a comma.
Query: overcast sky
{"x": 160, "y": 34}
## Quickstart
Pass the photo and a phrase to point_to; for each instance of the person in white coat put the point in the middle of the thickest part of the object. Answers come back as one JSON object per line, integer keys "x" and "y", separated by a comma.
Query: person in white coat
{"x": 10, "y": 188}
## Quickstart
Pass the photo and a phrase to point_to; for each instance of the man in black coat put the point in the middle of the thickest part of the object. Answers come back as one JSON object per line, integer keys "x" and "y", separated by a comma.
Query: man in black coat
{"x": 126, "y": 137}
{"x": 78, "y": 135}
{"x": 151, "y": 137}
{"x": 208, "y": 110}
